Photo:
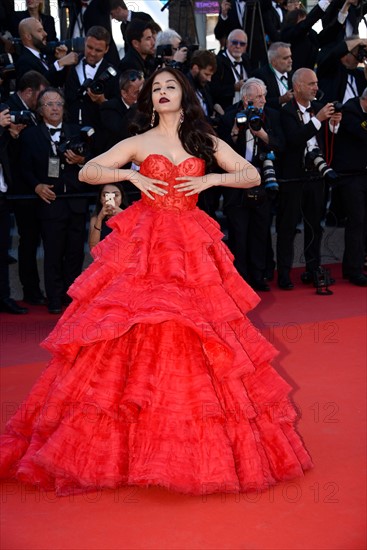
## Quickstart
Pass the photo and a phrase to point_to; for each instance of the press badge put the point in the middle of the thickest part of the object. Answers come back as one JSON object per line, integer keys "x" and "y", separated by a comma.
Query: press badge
{"x": 53, "y": 167}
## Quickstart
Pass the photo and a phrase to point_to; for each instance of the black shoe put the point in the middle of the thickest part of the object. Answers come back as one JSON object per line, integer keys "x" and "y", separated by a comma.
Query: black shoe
{"x": 284, "y": 283}
{"x": 260, "y": 285}
{"x": 359, "y": 280}
{"x": 38, "y": 300}
{"x": 54, "y": 306}
{"x": 308, "y": 278}
{"x": 8, "y": 305}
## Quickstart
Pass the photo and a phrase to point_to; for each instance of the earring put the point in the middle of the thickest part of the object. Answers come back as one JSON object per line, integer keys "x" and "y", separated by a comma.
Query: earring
{"x": 182, "y": 116}
{"x": 152, "y": 120}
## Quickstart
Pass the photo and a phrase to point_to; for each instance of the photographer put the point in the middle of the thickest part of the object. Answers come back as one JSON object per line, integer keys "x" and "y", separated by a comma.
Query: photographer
{"x": 52, "y": 154}
{"x": 303, "y": 165}
{"x": 7, "y": 304}
{"x": 169, "y": 50}
{"x": 254, "y": 131}
{"x": 350, "y": 160}
{"x": 140, "y": 37}
{"x": 338, "y": 71}
{"x": 23, "y": 106}
{"x": 33, "y": 37}
{"x": 91, "y": 82}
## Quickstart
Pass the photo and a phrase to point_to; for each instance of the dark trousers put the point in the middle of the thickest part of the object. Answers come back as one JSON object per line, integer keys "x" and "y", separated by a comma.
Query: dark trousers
{"x": 304, "y": 198}
{"x": 4, "y": 242}
{"x": 353, "y": 191}
{"x": 248, "y": 231}
{"x": 63, "y": 242}
{"x": 29, "y": 230}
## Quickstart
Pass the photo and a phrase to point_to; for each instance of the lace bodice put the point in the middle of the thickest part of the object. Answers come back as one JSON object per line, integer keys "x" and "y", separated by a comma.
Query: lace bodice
{"x": 160, "y": 167}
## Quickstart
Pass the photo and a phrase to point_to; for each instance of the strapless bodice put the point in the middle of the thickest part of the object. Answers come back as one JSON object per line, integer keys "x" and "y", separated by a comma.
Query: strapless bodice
{"x": 160, "y": 167}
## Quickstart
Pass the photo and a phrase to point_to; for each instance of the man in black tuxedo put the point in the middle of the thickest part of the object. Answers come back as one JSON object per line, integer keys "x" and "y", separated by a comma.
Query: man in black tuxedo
{"x": 277, "y": 75}
{"x": 233, "y": 68}
{"x": 273, "y": 17}
{"x": 350, "y": 158}
{"x": 140, "y": 54}
{"x": 339, "y": 76}
{"x": 30, "y": 86}
{"x": 239, "y": 14}
{"x": 120, "y": 12}
{"x": 33, "y": 37}
{"x": 82, "y": 103}
{"x": 303, "y": 121}
{"x": 249, "y": 219}
{"x": 7, "y": 304}
{"x": 350, "y": 13}
{"x": 84, "y": 14}
{"x": 51, "y": 174}
{"x": 116, "y": 115}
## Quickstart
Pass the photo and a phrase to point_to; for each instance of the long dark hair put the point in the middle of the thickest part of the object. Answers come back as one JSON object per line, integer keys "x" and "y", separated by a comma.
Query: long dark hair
{"x": 195, "y": 132}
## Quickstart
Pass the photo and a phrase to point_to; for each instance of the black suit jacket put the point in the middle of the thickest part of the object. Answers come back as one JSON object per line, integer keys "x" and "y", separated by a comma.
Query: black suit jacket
{"x": 115, "y": 118}
{"x": 97, "y": 13}
{"x": 27, "y": 61}
{"x": 355, "y": 15}
{"x": 18, "y": 186}
{"x": 36, "y": 150}
{"x": 351, "y": 140}
{"x": 333, "y": 75}
{"x": 133, "y": 60}
{"x": 223, "y": 81}
{"x": 271, "y": 122}
{"x": 270, "y": 80}
{"x": 272, "y": 22}
{"x": 297, "y": 134}
{"x": 89, "y": 109}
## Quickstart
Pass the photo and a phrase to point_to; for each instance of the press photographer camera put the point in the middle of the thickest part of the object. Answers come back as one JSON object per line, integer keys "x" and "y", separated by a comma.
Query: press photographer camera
{"x": 315, "y": 161}
{"x": 79, "y": 144}
{"x": 73, "y": 45}
{"x": 20, "y": 117}
{"x": 251, "y": 117}
{"x": 268, "y": 174}
{"x": 97, "y": 85}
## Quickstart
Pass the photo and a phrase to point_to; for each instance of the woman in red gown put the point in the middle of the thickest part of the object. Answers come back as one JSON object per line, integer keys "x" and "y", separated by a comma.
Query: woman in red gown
{"x": 157, "y": 376}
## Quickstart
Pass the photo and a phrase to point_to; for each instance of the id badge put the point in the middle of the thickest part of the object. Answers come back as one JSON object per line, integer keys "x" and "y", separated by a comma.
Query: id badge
{"x": 53, "y": 167}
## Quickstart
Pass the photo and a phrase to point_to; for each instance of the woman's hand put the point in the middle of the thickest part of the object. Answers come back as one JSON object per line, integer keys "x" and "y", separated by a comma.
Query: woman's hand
{"x": 147, "y": 185}
{"x": 193, "y": 185}
{"x": 107, "y": 211}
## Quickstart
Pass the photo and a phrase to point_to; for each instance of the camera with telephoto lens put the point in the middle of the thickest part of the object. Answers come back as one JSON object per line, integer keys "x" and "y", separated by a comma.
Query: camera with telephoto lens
{"x": 268, "y": 173}
{"x": 251, "y": 117}
{"x": 73, "y": 45}
{"x": 97, "y": 85}
{"x": 77, "y": 144}
{"x": 20, "y": 117}
{"x": 315, "y": 161}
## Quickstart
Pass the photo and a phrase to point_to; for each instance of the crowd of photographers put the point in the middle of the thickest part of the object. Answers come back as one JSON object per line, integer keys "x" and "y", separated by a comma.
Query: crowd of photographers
{"x": 304, "y": 127}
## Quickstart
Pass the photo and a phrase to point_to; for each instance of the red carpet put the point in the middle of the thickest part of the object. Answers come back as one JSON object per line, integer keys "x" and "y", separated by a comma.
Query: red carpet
{"x": 322, "y": 344}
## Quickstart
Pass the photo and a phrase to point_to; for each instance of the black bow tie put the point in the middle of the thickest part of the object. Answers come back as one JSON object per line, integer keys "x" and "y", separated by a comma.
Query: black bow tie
{"x": 309, "y": 110}
{"x": 235, "y": 63}
{"x": 284, "y": 78}
{"x": 54, "y": 131}
{"x": 89, "y": 65}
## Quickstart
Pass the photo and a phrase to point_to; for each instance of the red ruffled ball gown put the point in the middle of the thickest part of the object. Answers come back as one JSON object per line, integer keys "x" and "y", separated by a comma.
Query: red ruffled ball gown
{"x": 157, "y": 376}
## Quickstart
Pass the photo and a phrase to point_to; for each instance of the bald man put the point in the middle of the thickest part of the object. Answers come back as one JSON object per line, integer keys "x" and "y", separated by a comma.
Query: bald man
{"x": 33, "y": 37}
